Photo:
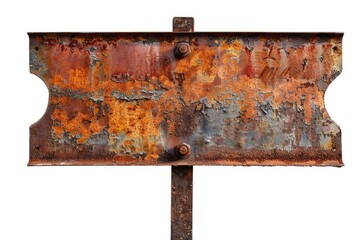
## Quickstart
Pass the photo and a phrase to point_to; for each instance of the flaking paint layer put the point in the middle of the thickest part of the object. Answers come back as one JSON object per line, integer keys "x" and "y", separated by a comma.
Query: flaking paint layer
{"x": 237, "y": 94}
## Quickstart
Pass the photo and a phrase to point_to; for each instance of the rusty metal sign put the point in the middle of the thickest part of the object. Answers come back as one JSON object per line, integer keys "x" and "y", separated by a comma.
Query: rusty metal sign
{"x": 184, "y": 98}
{"x": 235, "y": 98}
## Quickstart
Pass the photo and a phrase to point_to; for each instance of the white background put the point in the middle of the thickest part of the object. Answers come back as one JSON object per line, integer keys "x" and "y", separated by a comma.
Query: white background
{"x": 75, "y": 203}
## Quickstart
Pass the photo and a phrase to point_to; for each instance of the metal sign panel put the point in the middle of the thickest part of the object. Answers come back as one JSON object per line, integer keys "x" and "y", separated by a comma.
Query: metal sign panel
{"x": 186, "y": 98}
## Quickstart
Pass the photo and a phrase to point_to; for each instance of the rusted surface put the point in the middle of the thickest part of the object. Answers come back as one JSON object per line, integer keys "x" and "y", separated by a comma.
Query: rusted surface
{"x": 183, "y": 24}
{"x": 236, "y": 99}
{"x": 181, "y": 202}
{"x": 181, "y": 176}
{"x": 182, "y": 50}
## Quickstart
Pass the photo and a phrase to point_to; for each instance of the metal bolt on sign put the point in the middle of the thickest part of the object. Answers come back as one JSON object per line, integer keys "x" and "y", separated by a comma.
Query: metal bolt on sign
{"x": 182, "y": 50}
{"x": 186, "y": 98}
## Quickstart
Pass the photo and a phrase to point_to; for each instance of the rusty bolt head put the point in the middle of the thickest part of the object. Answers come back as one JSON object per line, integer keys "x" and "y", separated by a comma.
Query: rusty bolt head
{"x": 183, "y": 150}
{"x": 182, "y": 50}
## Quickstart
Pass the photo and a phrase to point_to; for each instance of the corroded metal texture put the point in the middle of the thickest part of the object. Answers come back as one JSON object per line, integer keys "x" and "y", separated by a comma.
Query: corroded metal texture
{"x": 181, "y": 202}
{"x": 236, "y": 98}
{"x": 182, "y": 176}
{"x": 183, "y": 24}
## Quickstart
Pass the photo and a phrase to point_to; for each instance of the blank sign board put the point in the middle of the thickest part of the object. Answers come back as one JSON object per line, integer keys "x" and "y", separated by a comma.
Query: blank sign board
{"x": 231, "y": 98}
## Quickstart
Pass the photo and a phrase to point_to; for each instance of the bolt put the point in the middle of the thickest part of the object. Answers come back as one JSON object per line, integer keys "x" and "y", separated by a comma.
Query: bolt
{"x": 182, "y": 50}
{"x": 183, "y": 150}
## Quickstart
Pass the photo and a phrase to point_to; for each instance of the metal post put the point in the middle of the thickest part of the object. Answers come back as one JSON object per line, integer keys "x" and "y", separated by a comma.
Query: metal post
{"x": 181, "y": 202}
{"x": 181, "y": 176}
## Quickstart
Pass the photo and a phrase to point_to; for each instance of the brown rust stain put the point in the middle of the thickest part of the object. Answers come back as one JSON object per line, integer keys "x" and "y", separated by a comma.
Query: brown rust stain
{"x": 239, "y": 93}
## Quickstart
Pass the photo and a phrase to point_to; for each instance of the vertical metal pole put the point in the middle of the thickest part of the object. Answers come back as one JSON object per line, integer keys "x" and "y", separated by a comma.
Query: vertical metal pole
{"x": 181, "y": 202}
{"x": 181, "y": 176}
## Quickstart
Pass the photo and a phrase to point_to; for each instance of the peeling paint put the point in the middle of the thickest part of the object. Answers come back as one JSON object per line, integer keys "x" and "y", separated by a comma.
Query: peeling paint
{"x": 237, "y": 99}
